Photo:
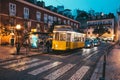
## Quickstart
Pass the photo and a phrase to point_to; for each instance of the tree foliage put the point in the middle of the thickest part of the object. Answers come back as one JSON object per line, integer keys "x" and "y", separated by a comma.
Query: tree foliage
{"x": 100, "y": 30}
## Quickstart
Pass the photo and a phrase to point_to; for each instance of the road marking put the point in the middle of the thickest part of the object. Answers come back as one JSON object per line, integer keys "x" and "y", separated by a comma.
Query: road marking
{"x": 8, "y": 62}
{"x": 15, "y": 61}
{"x": 59, "y": 72}
{"x": 20, "y": 63}
{"x": 80, "y": 73}
{"x": 30, "y": 65}
{"x": 44, "y": 68}
{"x": 90, "y": 55}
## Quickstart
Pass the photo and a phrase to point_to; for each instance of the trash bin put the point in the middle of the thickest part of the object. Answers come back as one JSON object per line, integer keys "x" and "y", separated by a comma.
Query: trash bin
{"x": 12, "y": 42}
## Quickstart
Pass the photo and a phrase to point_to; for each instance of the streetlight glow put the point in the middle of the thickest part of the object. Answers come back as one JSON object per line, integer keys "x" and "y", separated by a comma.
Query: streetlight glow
{"x": 18, "y": 27}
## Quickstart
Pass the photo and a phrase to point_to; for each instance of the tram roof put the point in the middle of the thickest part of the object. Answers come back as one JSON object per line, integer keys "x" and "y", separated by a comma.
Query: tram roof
{"x": 62, "y": 28}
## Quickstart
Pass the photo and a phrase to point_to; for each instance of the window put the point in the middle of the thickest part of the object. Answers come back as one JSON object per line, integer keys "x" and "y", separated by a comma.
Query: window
{"x": 38, "y": 28}
{"x": 71, "y": 23}
{"x": 56, "y": 36}
{"x": 68, "y": 22}
{"x": 12, "y": 9}
{"x": 54, "y": 18}
{"x": 64, "y": 21}
{"x": 38, "y": 16}
{"x": 59, "y": 20}
{"x": 26, "y": 13}
{"x": 45, "y": 18}
{"x": 62, "y": 37}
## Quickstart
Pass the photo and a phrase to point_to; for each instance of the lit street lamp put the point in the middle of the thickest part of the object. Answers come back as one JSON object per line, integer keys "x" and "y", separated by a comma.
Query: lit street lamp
{"x": 18, "y": 28}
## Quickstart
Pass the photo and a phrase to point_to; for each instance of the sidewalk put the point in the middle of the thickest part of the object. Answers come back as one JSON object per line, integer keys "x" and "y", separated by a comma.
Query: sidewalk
{"x": 112, "y": 70}
{"x": 113, "y": 64}
{"x": 8, "y": 52}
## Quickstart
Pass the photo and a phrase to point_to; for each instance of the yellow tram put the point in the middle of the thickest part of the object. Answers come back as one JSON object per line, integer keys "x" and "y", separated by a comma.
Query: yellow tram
{"x": 64, "y": 38}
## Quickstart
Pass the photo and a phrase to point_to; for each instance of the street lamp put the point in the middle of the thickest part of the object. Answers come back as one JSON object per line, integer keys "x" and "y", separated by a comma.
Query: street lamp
{"x": 18, "y": 28}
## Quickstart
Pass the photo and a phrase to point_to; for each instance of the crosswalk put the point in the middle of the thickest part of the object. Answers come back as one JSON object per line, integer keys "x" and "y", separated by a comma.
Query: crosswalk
{"x": 40, "y": 66}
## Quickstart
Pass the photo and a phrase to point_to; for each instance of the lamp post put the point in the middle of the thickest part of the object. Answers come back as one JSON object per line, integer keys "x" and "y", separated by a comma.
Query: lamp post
{"x": 18, "y": 28}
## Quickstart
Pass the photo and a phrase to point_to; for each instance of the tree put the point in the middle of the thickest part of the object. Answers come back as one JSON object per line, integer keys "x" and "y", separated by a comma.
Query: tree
{"x": 41, "y": 3}
{"x": 81, "y": 15}
{"x": 100, "y": 30}
{"x": 111, "y": 15}
{"x": 31, "y": 1}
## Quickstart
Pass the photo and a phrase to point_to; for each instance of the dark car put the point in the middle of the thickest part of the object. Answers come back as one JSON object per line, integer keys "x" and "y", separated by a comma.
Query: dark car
{"x": 89, "y": 43}
{"x": 96, "y": 42}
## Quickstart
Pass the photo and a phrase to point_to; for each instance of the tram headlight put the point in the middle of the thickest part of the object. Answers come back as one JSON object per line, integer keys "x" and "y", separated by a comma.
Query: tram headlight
{"x": 56, "y": 45}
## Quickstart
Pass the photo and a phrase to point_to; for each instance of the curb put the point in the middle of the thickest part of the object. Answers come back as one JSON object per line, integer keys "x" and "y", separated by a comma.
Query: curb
{"x": 97, "y": 74}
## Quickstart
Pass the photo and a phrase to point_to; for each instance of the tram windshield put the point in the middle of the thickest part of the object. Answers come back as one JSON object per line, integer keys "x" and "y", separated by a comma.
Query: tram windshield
{"x": 60, "y": 36}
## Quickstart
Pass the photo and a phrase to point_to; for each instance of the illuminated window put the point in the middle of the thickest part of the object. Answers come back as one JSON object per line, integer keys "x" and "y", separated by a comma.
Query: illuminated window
{"x": 38, "y": 16}
{"x": 12, "y": 9}
{"x": 62, "y": 37}
{"x": 38, "y": 28}
{"x": 26, "y": 13}
{"x": 57, "y": 36}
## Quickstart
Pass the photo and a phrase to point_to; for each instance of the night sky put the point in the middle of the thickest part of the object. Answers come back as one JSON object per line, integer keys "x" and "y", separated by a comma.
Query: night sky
{"x": 104, "y": 6}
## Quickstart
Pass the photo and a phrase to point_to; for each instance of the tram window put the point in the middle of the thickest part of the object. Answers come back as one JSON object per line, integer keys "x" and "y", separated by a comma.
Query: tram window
{"x": 62, "y": 37}
{"x": 68, "y": 37}
{"x": 57, "y": 36}
{"x": 75, "y": 39}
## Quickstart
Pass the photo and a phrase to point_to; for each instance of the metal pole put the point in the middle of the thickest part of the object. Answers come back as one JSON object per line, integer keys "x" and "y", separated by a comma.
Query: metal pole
{"x": 18, "y": 44}
{"x": 104, "y": 66}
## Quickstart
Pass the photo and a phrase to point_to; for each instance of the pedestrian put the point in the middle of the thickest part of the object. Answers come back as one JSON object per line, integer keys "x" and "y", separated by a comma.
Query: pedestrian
{"x": 48, "y": 46}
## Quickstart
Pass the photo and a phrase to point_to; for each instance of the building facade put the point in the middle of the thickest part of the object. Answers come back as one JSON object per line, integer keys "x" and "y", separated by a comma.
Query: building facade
{"x": 118, "y": 22}
{"x": 29, "y": 16}
{"x": 107, "y": 23}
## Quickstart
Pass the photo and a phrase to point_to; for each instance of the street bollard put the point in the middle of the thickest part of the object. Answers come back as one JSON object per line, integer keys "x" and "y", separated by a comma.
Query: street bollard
{"x": 104, "y": 66}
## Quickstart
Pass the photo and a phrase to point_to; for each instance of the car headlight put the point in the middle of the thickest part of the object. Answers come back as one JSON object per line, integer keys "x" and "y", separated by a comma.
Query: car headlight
{"x": 88, "y": 44}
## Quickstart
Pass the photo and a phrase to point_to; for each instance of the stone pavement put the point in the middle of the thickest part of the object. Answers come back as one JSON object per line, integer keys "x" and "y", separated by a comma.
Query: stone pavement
{"x": 8, "y": 52}
{"x": 112, "y": 68}
{"x": 113, "y": 64}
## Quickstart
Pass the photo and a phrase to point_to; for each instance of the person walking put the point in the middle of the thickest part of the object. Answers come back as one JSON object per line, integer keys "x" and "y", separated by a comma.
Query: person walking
{"x": 48, "y": 46}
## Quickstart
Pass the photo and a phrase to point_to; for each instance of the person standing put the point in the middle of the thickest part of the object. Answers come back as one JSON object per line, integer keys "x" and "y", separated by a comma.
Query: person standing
{"x": 48, "y": 46}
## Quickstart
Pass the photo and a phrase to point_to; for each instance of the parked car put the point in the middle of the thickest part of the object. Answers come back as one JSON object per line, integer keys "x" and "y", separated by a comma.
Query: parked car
{"x": 89, "y": 43}
{"x": 96, "y": 42}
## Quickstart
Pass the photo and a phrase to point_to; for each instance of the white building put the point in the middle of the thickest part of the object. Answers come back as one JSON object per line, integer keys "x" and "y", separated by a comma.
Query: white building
{"x": 118, "y": 25}
{"x": 109, "y": 23}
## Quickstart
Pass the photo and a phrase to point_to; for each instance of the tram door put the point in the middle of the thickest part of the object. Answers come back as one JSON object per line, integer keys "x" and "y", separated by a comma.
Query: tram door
{"x": 68, "y": 40}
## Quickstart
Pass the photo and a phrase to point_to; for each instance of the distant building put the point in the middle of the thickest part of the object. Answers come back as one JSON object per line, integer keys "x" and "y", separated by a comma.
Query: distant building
{"x": 109, "y": 23}
{"x": 118, "y": 25}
